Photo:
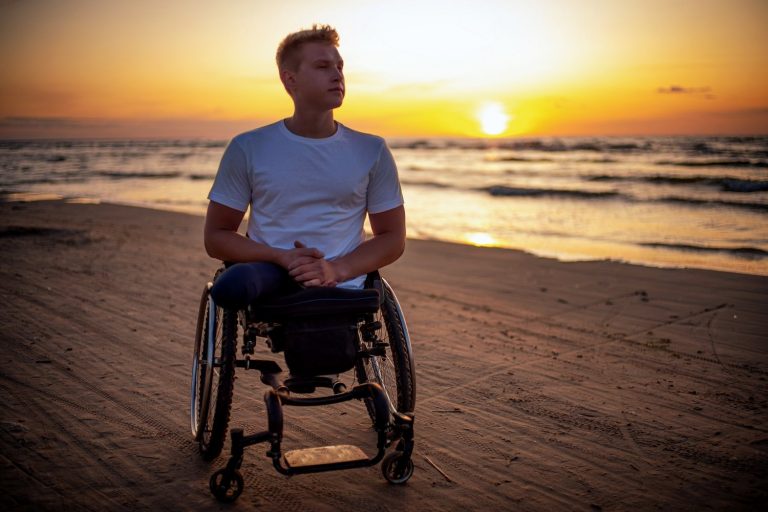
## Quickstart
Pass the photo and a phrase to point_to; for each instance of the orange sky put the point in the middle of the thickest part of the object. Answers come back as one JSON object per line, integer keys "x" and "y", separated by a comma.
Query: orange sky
{"x": 182, "y": 68}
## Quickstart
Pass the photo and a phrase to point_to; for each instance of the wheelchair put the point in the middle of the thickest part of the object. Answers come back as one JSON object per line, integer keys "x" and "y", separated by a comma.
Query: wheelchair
{"x": 322, "y": 333}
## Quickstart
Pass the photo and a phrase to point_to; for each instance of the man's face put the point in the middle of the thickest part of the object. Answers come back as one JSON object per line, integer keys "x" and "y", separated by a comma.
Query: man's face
{"x": 318, "y": 83}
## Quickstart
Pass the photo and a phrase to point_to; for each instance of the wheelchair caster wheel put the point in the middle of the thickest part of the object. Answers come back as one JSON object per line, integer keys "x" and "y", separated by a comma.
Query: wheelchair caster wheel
{"x": 226, "y": 488}
{"x": 395, "y": 469}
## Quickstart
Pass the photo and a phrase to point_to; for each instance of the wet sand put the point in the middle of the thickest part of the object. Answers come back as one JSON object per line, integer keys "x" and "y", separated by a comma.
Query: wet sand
{"x": 541, "y": 385}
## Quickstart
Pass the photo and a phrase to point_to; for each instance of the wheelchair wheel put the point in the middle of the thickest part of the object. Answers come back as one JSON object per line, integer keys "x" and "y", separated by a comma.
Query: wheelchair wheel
{"x": 226, "y": 487}
{"x": 394, "y": 370}
{"x": 213, "y": 376}
{"x": 396, "y": 468}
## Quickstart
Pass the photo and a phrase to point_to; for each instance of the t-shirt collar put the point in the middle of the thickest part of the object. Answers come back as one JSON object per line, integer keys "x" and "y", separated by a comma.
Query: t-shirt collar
{"x": 309, "y": 140}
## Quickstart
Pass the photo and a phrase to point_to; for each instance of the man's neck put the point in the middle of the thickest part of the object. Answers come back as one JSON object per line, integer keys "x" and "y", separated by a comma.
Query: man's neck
{"x": 312, "y": 125}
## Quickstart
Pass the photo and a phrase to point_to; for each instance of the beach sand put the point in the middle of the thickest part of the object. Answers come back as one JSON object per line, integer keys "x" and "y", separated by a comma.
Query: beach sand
{"x": 541, "y": 385}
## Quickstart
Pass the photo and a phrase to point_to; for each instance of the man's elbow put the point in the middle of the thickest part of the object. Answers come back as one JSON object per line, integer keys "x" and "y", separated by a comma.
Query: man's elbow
{"x": 401, "y": 248}
{"x": 398, "y": 248}
{"x": 211, "y": 247}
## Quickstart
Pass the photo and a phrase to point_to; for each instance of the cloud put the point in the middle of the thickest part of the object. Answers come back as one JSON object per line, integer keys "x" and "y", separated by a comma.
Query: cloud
{"x": 679, "y": 89}
{"x": 37, "y": 127}
{"x": 50, "y": 122}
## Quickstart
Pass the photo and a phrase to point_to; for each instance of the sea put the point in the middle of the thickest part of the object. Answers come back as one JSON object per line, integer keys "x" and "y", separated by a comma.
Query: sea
{"x": 682, "y": 202}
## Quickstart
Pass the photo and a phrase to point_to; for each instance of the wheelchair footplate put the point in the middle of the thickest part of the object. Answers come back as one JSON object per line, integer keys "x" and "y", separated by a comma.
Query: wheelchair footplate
{"x": 324, "y": 455}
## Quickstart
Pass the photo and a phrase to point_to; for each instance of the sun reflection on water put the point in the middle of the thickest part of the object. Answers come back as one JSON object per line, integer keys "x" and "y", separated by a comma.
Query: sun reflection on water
{"x": 481, "y": 239}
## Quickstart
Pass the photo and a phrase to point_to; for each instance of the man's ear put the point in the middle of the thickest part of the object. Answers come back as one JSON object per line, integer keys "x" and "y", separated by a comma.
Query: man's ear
{"x": 288, "y": 78}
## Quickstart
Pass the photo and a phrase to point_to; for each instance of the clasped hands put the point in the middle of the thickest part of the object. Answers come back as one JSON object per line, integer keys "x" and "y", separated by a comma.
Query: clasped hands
{"x": 309, "y": 267}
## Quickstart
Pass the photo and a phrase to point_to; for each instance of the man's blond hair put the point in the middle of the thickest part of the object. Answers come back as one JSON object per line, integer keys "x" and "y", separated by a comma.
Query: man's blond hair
{"x": 288, "y": 55}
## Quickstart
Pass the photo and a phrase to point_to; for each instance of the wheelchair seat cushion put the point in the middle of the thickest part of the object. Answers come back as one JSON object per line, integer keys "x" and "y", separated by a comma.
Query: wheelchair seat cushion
{"x": 310, "y": 302}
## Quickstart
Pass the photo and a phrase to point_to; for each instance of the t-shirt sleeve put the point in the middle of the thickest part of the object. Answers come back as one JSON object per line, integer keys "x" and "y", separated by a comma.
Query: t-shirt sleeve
{"x": 231, "y": 187}
{"x": 384, "y": 191}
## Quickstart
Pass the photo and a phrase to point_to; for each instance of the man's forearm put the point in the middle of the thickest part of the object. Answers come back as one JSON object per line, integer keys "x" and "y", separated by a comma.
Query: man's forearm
{"x": 373, "y": 254}
{"x": 233, "y": 247}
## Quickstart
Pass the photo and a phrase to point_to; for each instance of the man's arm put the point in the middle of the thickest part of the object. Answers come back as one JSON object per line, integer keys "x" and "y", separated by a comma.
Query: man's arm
{"x": 223, "y": 242}
{"x": 386, "y": 246}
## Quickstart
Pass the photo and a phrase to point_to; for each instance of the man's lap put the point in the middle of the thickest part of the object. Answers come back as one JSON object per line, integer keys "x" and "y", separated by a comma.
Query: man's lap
{"x": 243, "y": 283}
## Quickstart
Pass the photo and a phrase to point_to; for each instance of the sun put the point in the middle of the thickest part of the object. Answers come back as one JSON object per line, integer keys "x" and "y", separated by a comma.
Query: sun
{"x": 493, "y": 118}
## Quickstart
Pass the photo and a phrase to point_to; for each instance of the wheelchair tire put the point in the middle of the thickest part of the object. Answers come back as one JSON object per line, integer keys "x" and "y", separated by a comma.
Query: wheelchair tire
{"x": 396, "y": 469}
{"x": 394, "y": 371}
{"x": 197, "y": 404}
{"x": 225, "y": 486}
{"x": 216, "y": 382}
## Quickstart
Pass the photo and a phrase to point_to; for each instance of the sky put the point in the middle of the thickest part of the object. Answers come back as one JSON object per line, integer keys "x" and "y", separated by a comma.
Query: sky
{"x": 481, "y": 68}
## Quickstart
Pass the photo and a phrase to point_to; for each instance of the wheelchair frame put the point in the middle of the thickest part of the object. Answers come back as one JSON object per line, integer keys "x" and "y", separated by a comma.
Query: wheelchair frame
{"x": 384, "y": 370}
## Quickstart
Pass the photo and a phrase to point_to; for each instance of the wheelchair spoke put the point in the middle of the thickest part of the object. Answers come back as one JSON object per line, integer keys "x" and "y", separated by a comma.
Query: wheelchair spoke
{"x": 386, "y": 381}
{"x": 392, "y": 369}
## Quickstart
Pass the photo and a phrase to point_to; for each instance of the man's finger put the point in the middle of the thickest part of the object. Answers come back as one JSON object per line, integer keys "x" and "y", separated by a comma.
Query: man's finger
{"x": 299, "y": 262}
{"x": 314, "y": 251}
{"x": 303, "y": 274}
{"x": 305, "y": 277}
{"x": 311, "y": 251}
{"x": 298, "y": 271}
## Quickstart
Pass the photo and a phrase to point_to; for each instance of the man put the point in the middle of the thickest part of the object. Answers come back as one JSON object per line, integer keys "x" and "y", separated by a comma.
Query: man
{"x": 309, "y": 182}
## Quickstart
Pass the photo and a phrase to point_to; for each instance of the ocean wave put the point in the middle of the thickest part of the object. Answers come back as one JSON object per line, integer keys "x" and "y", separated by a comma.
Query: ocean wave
{"x": 737, "y": 185}
{"x": 424, "y": 183}
{"x": 714, "y": 202}
{"x": 512, "y": 192}
{"x": 195, "y": 177}
{"x": 725, "y": 184}
{"x": 596, "y": 160}
{"x": 50, "y": 180}
{"x": 544, "y": 145}
{"x": 16, "y": 144}
{"x": 518, "y": 159}
{"x": 504, "y": 191}
{"x": 723, "y": 162}
{"x": 557, "y": 145}
{"x": 138, "y": 174}
{"x": 750, "y": 253}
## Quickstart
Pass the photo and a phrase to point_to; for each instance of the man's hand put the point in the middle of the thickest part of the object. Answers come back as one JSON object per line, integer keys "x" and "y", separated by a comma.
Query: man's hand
{"x": 288, "y": 258}
{"x": 312, "y": 269}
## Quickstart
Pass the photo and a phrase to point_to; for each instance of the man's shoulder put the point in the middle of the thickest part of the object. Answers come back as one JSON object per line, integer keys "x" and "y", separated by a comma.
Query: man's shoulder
{"x": 256, "y": 134}
{"x": 362, "y": 135}
{"x": 362, "y": 139}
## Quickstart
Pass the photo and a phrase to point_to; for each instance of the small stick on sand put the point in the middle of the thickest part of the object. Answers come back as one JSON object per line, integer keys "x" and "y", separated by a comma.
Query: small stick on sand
{"x": 437, "y": 468}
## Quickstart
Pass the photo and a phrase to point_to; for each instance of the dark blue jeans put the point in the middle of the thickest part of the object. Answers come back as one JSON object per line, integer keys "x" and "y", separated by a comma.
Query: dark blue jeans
{"x": 243, "y": 283}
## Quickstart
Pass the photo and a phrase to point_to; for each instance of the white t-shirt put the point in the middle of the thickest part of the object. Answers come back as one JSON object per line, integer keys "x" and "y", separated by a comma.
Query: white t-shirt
{"x": 316, "y": 191}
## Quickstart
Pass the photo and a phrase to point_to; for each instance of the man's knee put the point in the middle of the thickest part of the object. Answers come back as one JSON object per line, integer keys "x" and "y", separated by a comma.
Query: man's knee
{"x": 228, "y": 290}
{"x": 243, "y": 283}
